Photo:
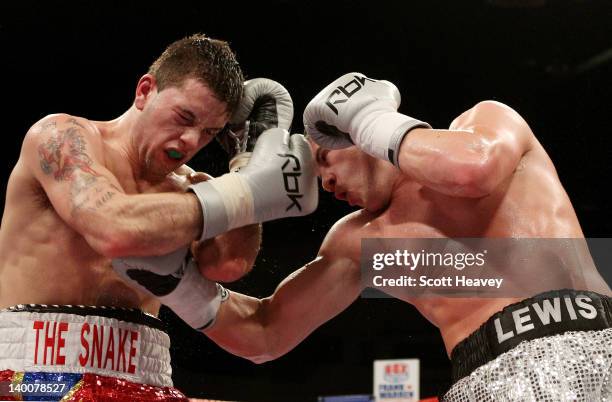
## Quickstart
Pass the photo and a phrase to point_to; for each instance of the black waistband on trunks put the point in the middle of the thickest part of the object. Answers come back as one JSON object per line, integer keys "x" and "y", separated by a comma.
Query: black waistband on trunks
{"x": 549, "y": 313}
{"x": 132, "y": 315}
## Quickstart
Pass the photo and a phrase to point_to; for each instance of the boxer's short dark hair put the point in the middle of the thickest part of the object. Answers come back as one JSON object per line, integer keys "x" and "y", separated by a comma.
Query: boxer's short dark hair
{"x": 208, "y": 60}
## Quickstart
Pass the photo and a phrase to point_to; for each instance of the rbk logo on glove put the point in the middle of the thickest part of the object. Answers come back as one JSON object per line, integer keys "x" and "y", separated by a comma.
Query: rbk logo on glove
{"x": 291, "y": 180}
{"x": 342, "y": 93}
{"x": 369, "y": 117}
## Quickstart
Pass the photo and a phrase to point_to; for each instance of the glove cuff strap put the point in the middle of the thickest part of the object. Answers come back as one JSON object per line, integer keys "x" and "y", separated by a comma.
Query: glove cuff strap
{"x": 196, "y": 300}
{"x": 397, "y": 136}
{"x": 385, "y": 132}
{"x": 227, "y": 203}
{"x": 214, "y": 215}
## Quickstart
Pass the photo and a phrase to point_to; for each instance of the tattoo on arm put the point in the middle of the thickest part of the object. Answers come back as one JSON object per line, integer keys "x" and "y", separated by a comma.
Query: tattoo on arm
{"x": 64, "y": 156}
{"x": 65, "y": 153}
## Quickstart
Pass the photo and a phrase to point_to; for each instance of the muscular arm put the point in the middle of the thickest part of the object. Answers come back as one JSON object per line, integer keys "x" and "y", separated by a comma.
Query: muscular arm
{"x": 481, "y": 149}
{"x": 66, "y": 156}
{"x": 262, "y": 330}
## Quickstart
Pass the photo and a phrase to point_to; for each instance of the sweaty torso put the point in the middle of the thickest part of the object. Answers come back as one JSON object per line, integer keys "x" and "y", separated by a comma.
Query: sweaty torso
{"x": 45, "y": 261}
{"x": 531, "y": 203}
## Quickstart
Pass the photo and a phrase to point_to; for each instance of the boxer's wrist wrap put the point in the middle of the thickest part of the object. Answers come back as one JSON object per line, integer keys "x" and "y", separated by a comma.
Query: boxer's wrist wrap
{"x": 397, "y": 136}
{"x": 226, "y": 202}
{"x": 175, "y": 280}
{"x": 381, "y": 133}
{"x": 214, "y": 217}
{"x": 196, "y": 300}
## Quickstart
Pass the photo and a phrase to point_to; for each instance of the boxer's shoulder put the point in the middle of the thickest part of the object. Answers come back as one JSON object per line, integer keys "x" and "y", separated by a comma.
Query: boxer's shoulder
{"x": 356, "y": 223}
{"x": 59, "y": 121}
{"x": 496, "y": 117}
{"x": 60, "y": 128}
{"x": 344, "y": 237}
{"x": 56, "y": 137}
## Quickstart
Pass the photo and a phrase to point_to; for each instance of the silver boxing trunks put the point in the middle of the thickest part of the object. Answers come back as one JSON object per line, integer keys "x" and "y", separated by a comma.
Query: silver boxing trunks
{"x": 556, "y": 346}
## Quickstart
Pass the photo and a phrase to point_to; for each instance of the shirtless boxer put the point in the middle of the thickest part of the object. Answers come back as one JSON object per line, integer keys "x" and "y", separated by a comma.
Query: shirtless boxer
{"x": 84, "y": 192}
{"x": 487, "y": 176}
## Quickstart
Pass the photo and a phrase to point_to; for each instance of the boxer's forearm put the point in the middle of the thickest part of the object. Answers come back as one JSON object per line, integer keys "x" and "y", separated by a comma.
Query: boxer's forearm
{"x": 305, "y": 300}
{"x": 251, "y": 328}
{"x": 264, "y": 329}
{"x": 142, "y": 224}
{"x": 240, "y": 328}
{"x": 454, "y": 162}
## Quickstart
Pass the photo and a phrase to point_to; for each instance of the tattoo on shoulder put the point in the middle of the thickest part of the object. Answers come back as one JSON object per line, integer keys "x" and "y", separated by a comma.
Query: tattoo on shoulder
{"x": 74, "y": 121}
{"x": 42, "y": 127}
{"x": 49, "y": 125}
{"x": 64, "y": 154}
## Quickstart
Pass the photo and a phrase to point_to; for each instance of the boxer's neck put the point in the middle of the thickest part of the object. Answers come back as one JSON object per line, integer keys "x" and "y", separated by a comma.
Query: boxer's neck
{"x": 121, "y": 156}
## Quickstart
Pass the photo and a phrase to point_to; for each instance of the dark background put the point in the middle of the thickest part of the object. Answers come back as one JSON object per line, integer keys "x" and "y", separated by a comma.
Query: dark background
{"x": 550, "y": 60}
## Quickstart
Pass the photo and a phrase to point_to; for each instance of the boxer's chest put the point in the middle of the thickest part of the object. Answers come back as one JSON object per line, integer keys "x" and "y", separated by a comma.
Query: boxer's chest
{"x": 422, "y": 212}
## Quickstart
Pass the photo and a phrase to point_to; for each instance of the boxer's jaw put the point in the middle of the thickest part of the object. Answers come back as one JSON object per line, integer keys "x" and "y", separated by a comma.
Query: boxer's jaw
{"x": 174, "y": 124}
{"x": 354, "y": 176}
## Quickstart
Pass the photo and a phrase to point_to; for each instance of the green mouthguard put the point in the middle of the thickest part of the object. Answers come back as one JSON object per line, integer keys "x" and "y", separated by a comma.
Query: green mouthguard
{"x": 174, "y": 154}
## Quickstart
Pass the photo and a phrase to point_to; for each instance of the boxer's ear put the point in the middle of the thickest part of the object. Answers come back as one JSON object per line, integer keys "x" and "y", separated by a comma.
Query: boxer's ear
{"x": 146, "y": 86}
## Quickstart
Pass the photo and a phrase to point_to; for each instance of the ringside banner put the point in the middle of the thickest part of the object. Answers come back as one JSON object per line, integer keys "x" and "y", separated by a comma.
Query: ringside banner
{"x": 396, "y": 380}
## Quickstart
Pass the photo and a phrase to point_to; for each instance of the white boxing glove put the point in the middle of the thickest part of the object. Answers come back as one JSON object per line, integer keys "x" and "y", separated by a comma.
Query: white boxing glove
{"x": 174, "y": 279}
{"x": 357, "y": 110}
{"x": 265, "y": 104}
{"x": 279, "y": 181}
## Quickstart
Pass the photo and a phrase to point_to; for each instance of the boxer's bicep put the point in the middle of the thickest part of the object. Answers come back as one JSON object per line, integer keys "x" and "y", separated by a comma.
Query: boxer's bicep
{"x": 62, "y": 154}
{"x": 505, "y": 135}
{"x": 482, "y": 147}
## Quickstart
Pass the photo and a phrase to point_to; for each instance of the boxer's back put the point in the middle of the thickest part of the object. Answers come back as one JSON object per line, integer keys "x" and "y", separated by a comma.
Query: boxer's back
{"x": 45, "y": 261}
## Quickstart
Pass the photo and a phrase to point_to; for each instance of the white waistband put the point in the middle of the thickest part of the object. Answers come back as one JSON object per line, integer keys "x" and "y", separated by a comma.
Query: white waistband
{"x": 72, "y": 343}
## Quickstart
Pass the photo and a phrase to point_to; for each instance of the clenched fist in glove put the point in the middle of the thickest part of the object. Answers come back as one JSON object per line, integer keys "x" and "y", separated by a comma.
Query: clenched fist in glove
{"x": 278, "y": 181}
{"x": 265, "y": 104}
{"x": 357, "y": 110}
